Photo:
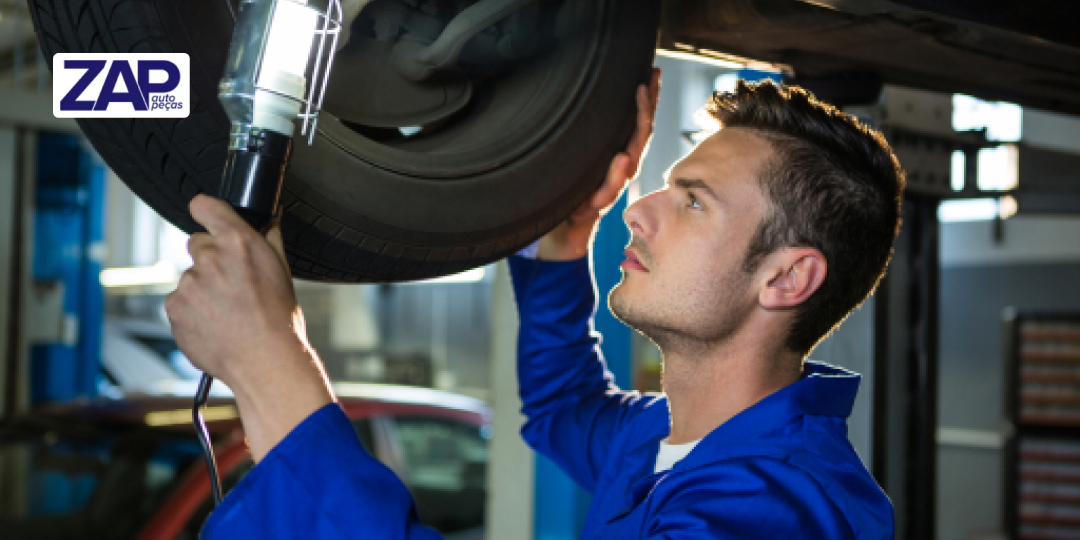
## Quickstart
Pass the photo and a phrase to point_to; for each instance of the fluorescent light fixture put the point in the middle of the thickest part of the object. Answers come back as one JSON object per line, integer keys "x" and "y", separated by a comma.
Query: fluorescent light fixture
{"x": 710, "y": 60}
{"x": 961, "y": 210}
{"x": 468, "y": 276}
{"x": 959, "y": 171}
{"x": 162, "y": 273}
{"x": 967, "y": 210}
{"x": 999, "y": 168}
{"x": 725, "y": 82}
{"x": 1001, "y": 120}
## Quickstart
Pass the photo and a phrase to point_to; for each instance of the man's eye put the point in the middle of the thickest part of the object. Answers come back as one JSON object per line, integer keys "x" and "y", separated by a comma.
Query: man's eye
{"x": 694, "y": 202}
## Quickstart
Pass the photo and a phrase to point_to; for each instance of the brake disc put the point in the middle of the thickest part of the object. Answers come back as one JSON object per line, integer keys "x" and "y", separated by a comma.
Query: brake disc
{"x": 410, "y": 63}
{"x": 365, "y": 89}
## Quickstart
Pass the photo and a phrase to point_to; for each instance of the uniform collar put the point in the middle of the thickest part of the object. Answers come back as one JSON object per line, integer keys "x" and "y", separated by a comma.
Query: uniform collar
{"x": 822, "y": 390}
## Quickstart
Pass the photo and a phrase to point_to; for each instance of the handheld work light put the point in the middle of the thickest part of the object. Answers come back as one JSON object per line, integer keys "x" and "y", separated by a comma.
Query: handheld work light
{"x": 277, "y": 70}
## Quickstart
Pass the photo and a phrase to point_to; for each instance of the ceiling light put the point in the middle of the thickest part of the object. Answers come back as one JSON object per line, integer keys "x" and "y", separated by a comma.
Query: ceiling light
{"x": 985, "y": 209}
{"x": 162, "y": 273}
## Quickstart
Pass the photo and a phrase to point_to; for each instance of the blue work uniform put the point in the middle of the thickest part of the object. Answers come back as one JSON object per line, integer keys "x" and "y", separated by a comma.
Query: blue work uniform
{"x": 783, "y": 468}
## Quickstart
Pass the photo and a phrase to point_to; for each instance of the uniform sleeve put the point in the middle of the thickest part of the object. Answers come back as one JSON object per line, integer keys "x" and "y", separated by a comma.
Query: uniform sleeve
{"x": 573, "y": 408}
{"x": 318, "y": 483}
{"x": 751, "y": 499}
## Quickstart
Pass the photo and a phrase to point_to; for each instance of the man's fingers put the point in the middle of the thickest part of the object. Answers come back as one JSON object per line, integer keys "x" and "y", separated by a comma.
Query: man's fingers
{"x": 643, "y": 123}
{"x": 273, "y": 235}
{"x": 197, "y": 244}
{"x": 618, "y": 174}
{"x": 624, "y": 164}
{"x": 654, "y": 87}
{"x": 216, "y": 215}
{"x": 647, "y": 99}
{"x": 176, "y": 300}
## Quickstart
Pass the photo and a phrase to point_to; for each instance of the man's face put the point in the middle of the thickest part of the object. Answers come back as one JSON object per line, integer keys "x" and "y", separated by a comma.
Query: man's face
{"x": 684, "y": 277}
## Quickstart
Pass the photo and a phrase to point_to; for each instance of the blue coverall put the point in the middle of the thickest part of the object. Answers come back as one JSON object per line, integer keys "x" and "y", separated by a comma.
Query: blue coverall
{"x": 782, "y": 468}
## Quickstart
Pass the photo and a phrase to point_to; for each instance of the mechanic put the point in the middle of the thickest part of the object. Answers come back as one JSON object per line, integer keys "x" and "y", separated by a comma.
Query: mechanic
{"x": 767, "y": 235}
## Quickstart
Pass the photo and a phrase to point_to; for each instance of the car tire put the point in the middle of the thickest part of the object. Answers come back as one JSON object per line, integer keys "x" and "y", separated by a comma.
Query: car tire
{"x": 357, "y": 208}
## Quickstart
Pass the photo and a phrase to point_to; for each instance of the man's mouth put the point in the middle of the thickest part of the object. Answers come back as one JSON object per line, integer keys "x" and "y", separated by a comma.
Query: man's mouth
{"x": 632, "y": 262}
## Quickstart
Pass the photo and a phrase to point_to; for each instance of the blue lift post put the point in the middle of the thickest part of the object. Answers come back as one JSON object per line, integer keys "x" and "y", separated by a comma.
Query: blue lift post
{"x": 755, "y": 75}
{"x": 561, "y": 505}
{"x": 68, "y": 230}
{"x": 69, "y": 204}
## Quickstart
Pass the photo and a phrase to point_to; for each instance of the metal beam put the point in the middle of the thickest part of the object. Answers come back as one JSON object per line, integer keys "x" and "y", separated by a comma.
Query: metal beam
{"x": 9, "y": 176}
{"x": 16, "y": 356}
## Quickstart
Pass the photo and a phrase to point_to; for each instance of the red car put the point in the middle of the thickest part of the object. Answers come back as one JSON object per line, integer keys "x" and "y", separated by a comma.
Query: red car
{"x": 132, "y": 469}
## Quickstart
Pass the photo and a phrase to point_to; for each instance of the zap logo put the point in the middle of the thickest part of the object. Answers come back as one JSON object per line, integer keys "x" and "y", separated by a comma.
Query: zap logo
{"x": 121, "y": 85}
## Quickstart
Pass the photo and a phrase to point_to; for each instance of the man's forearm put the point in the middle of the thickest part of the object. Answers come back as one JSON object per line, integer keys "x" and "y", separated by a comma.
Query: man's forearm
{"x": 574, "y": 411}
{"x": 557, "y": 352}
{"x": 276, "y": 396}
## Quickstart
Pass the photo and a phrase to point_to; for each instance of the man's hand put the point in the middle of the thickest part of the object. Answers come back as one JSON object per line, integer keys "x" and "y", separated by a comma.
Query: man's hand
{"x": 572, "y": 238}
{"x": 234, "y": 314}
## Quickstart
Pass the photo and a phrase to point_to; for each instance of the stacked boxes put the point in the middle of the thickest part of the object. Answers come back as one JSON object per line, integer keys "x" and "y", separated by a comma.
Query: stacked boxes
{"x": 1046, "y": 448}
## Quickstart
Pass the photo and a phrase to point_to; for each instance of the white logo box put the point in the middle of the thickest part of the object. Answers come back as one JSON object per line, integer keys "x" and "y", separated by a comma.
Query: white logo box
{"x": 79, "y": 85}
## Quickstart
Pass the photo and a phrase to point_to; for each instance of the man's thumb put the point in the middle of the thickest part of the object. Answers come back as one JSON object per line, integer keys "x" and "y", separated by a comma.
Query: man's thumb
{"x": 273, "y": 235}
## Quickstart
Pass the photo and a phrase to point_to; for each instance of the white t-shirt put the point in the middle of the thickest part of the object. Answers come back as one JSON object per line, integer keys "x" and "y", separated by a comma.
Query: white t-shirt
{"x": 671, "y": 453}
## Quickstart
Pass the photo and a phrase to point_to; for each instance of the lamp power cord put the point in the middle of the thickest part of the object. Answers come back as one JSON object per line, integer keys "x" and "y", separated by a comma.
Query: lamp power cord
{"x": 204, "y": 436}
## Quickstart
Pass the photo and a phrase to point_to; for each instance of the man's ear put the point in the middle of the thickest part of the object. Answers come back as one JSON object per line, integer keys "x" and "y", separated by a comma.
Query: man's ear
{"x": 798, "y": 272}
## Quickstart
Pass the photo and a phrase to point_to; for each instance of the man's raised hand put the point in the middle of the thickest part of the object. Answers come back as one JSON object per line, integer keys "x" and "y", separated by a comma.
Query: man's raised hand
{"x": 571, "y": 238}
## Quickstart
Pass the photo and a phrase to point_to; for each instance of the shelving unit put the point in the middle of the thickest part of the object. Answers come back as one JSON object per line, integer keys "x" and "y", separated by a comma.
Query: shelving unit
{"x": 1042, "y": 451}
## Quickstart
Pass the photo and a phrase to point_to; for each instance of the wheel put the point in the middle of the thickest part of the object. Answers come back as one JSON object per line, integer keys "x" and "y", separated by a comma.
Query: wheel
{"x": 404, "y": 180}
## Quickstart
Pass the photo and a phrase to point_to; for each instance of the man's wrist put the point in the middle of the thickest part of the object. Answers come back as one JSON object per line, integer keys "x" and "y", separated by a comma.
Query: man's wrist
{"x": 268, "y": 419}
{"x": 276, "y": 394}
{"x": 250, "y": 366}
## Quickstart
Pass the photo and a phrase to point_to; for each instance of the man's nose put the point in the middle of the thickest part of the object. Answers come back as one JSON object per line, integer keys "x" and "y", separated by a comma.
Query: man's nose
{"x": 640, "y": 216}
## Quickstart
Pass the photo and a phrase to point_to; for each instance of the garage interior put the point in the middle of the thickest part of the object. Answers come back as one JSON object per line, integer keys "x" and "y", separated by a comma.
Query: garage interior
{"x": 968, "y": 400}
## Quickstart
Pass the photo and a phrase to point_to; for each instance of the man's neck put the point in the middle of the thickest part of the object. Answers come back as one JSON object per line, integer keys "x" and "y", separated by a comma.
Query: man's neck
{"x": 707, "y": 385}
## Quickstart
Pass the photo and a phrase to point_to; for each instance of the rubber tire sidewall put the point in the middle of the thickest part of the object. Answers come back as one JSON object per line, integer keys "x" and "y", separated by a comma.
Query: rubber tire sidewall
{"x": 345, "y": 219}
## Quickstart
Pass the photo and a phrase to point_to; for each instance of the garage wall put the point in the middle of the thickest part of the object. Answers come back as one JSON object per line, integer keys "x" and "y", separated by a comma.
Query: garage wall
{"x": 851, "y": 346}
{"x": 444, "y": 328}
{"x": 1036, "y": 267}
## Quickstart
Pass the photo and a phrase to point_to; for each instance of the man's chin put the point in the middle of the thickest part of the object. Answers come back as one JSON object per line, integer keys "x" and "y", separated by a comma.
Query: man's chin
{"x": 623, "y": 308}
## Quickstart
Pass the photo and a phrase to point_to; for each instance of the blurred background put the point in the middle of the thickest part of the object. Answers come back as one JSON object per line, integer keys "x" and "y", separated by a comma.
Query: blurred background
{"x": 93, "y": 391}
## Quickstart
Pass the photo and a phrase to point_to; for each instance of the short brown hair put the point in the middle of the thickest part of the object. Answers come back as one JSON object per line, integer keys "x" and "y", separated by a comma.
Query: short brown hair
{"x": 833, "y": 184}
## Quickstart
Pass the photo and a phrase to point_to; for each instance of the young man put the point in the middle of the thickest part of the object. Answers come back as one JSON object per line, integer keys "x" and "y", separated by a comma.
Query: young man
{"x": 768, "y": 234}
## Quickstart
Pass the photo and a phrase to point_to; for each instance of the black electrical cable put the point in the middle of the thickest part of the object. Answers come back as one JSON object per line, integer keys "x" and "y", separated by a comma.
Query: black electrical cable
{"x": 204, "y": 436}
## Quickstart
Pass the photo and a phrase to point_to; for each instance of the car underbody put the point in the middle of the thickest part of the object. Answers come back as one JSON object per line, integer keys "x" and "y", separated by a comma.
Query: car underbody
{"x": 1022, "y": 52}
